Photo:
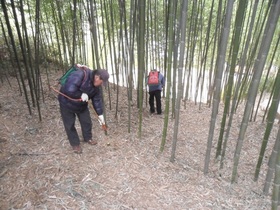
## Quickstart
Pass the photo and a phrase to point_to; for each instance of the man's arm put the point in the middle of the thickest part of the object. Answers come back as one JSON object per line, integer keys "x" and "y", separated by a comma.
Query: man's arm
{"x": 97, "y": 102}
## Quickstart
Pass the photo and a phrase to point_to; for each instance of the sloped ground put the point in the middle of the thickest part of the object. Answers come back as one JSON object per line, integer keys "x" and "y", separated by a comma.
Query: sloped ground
{"x": 38, "y": 169}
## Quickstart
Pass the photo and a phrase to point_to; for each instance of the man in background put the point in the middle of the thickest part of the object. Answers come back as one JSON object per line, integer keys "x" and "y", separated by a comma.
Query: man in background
{"x": 155, "y": 83}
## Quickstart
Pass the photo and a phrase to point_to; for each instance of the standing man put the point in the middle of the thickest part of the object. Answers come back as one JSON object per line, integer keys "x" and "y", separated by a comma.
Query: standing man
{"x": 155, "y": 83}
{"x": 79, "y": 87}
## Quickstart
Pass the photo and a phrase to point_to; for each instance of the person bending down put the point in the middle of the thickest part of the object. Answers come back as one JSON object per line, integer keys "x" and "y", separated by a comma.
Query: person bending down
{"x": 81, "y": 86}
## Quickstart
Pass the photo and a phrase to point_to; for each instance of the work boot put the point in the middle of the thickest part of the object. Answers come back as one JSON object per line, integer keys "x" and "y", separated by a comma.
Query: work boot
{"x": 77, "y": 149}
{"x": 92, "y": 142}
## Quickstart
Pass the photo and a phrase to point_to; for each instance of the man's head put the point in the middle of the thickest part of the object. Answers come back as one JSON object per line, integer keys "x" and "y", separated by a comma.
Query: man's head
{"x": 101, "y": 77}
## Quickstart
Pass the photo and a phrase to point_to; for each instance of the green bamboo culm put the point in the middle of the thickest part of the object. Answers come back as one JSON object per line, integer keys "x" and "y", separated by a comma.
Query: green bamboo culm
{"x": 239, "y": 22}
{"x": 271, "y": 165}
{"x": 180, "y": 73}
{"x": 168, "y": 78}
{"x": 270, "y": 120}
{"x": 253, "y": 89}
{"x": 218, "y": 82}
{"x": 13, "y": 43}
{"x": 276, "y": 187}
{"x": 141, "y": 61}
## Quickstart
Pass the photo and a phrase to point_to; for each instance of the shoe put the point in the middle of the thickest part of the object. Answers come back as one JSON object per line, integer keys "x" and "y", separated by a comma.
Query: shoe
{"x": 77, "y": 149}
{"x": 92, "y": 142}
{"x": 152, "y": 111}
{"x": 159, "y": 112}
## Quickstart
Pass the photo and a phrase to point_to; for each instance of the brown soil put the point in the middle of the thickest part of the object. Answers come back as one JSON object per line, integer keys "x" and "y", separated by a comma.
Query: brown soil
{"x": 38, "y": 169}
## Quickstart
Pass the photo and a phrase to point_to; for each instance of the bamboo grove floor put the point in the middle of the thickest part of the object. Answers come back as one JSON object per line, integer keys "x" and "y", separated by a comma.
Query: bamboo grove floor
{"x": 38, "y": 169}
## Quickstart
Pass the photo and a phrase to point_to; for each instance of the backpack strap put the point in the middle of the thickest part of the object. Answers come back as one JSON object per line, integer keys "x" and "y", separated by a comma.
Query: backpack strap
{"x": 85, "y": 76}
{"x": 83, "y": 68}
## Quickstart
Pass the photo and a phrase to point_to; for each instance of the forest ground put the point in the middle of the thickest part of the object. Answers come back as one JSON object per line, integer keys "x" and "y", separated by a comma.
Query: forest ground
{"x": 38, "y": 169}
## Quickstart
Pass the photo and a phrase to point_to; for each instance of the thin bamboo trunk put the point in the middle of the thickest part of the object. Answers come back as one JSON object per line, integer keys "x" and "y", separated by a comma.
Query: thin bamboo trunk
{"x": 258, "y": 69}
{"x": 182, "y": 27}
{"x": 218, "y": 80}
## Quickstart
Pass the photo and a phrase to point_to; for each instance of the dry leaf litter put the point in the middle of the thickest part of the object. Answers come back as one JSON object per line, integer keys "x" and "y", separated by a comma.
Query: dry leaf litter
{"x": 38, "y": 169}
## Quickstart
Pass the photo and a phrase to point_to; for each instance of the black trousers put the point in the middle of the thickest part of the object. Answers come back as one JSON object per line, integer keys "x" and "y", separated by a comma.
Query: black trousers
{"x": 69, "y": 118}
{"x": 155, "y": 94}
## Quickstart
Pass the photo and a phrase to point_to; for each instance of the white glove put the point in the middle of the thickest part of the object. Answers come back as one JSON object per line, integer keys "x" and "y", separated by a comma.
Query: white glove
{"x": 101, "y": 120}
{"x": 84, "y": 97}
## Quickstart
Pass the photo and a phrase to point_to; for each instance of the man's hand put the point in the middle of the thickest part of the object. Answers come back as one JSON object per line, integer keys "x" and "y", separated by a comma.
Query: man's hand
{"x": 101, "y": 120}
{"x": 84, "y": 97}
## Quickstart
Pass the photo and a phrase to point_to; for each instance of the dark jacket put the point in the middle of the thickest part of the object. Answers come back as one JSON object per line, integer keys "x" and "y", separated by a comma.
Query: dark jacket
{"x": 77, "y": 83}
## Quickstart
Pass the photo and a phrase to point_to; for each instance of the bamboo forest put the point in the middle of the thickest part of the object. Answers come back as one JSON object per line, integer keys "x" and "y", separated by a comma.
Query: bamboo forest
{"x": 216, "y": 144}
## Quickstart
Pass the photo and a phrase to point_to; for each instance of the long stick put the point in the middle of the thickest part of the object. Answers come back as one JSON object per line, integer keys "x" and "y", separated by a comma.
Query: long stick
{"x": 104, "y": 126}
{"x": 73, "y": 99}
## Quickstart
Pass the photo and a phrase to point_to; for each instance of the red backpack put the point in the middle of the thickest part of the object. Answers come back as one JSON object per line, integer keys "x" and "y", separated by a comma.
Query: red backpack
{"x": 153, "y": 78}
